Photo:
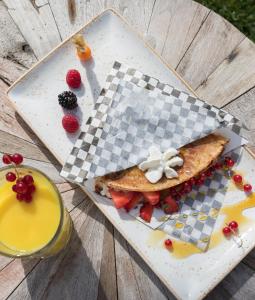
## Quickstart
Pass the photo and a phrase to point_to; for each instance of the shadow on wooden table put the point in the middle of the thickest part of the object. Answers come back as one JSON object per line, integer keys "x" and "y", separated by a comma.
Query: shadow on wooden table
{"x": 70, "y": 275}
{"x": 143, "y": 272}
{"x": 231, "y": 286}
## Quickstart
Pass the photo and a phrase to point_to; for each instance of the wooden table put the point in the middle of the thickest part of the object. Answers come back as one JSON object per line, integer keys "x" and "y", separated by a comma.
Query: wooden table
{"x": 216, "y": 59}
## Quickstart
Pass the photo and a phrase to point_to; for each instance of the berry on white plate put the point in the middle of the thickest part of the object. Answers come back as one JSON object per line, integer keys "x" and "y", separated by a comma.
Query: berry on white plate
{"x": 73, "y": 79}
{"x": 70, "y": 123}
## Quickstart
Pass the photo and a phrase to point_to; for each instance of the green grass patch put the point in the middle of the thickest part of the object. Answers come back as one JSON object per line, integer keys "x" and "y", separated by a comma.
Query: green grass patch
{"x": 241, "y": 13}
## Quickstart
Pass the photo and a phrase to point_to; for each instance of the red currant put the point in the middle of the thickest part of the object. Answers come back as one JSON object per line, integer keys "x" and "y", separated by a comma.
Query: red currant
{"x": 226, "y": 231}
{"x": 199, "y": 181}
{"x": 28, "y": 197}
{"x": 7, "y": 159}
{"x": 187, "y": 187}
{"x": 218, "y": 166}
{"x": 177, "y": 197}
{"x": 227, "y": 158}
{"x": 237, "y": 178}
{"x": 14, "y": 188}
{"x": 20, "y": 197}
{"x": 173, "y": 192}
{"x": 229, "y": 163}
{"x": 192, "y": 181}
{"x": 21, "y": 188}
{"x": 247, "y": 188}
{"x": 17, "y": 158}
{"x": 212, "y": 168}
{"x": 203, "y": 176}
{"x": 28, "y": 179}
{"x": 31, "y": 189}
{"x": 208, "y": 173}
{"x": 168, "y": 243}
{"x": 233, "y": 225}
{"x": 10, "y": 176}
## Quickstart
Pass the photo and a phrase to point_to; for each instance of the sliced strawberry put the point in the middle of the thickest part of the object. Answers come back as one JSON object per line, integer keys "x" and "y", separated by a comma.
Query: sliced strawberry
{"x": 137, "y": 197}
{"x": 121, "y": 198}
{"x": 146, "y": 212}
{"x": 170, "y": 205}
{"x": 152, "y": 197}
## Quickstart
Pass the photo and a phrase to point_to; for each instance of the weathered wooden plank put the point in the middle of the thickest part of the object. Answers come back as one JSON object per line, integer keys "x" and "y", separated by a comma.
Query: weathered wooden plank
{"x": 107, "y": 288}
{"x": 150, "y": 287}
{"x": 69, "y": 15}
{"x": 14, "y": 144}
{"x": 136, "y": 12}
{"x": 74, "y": 198}
{"x": 244, "y": 109}
{"x": 126, "y": 281}
{"x": 12, "y": 44}
{"x": 173, "y": 26}
{"x": 10, "y": 71}
{"x": 249, "y": 260}
{"x": 206, "y": 51}
{"x": 4, "y": 261}
{"x": 75, "y": 272}
{"x": 65, "y": 187}
{"x": 13, "y": 274}
{"x": 233, "y": 77}
{"x": 36, "y": 23}
{"x": 239, "y": 284}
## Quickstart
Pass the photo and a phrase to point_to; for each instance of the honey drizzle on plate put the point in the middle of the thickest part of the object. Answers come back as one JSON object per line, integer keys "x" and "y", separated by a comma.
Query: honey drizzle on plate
{"x": 231, "y": 212}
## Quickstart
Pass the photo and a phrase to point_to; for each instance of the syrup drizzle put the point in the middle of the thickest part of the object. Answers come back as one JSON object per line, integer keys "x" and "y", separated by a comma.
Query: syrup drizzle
{"x": 232, "y": 212}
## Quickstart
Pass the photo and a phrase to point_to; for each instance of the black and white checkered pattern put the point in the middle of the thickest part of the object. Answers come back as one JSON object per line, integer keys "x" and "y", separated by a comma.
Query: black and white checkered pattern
{"x": 110, "y": 142}
{"x": 199, "y": 210}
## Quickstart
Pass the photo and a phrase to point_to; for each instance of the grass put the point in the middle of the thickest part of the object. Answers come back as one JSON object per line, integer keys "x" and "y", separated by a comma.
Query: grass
{"x": 241, "y": 13}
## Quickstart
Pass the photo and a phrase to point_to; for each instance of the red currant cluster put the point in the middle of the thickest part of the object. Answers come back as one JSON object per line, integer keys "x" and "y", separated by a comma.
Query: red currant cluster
{"x": 24, "y": 186}
{"x": 186, "y": 187}
{"x": 230, "y": 229}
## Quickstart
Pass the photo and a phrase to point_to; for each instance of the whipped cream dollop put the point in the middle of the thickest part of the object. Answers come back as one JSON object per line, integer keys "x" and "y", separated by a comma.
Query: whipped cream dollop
{"x": 159, "y": 163}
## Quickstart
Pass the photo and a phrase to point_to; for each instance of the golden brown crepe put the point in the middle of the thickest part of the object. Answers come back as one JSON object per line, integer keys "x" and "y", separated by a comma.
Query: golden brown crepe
{"x": 197, "y": 156}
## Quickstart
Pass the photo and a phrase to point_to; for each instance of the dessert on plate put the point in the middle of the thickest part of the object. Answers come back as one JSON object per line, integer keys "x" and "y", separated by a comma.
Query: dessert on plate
{"x": 194, "y": 163}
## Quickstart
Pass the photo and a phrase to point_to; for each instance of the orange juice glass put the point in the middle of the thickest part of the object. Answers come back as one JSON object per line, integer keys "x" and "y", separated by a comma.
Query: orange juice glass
{"x": 40, "y": 228}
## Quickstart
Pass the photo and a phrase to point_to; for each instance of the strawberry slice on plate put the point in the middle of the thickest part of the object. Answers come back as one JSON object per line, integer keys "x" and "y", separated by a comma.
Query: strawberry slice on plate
{"x": 137, "y": 197}
{"x": 146, "y": 212}
{"x": 121, "y": 198}
{"x": 152, "y": 197}
{"x": 170, "y": 206}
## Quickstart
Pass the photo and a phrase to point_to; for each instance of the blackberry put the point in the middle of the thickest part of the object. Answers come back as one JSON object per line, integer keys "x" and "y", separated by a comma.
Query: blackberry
{"x": 67, "y": 100}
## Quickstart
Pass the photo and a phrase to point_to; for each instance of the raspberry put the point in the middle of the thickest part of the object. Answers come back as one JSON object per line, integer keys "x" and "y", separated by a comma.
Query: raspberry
{"x": 67, "y": 100}
{"x": 73, "y": 79}
{"x": 70, "y": 123}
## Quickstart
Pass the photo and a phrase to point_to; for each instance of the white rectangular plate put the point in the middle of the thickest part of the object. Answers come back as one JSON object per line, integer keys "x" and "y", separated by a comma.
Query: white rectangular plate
{"x": 35, "y": 98}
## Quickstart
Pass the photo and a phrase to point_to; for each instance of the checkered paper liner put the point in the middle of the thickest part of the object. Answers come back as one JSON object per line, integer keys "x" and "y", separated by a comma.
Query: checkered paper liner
{"x": 111, "y": 142}
{"x": 198, "y": 211}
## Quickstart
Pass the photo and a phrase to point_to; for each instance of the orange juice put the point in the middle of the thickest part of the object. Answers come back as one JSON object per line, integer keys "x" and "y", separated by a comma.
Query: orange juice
{"x": 39, "y": 228}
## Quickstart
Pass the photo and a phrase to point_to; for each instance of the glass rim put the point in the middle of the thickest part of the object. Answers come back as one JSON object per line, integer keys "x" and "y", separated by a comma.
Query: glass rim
{"x": 62, "y": 211}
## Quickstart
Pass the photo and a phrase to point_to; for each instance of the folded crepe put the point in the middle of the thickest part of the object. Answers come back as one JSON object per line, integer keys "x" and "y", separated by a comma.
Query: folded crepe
{"x": 198, "y": 156}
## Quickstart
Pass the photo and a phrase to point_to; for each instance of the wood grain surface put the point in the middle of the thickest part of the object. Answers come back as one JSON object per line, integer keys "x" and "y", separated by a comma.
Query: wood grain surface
{"x": 213, "y": 57}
